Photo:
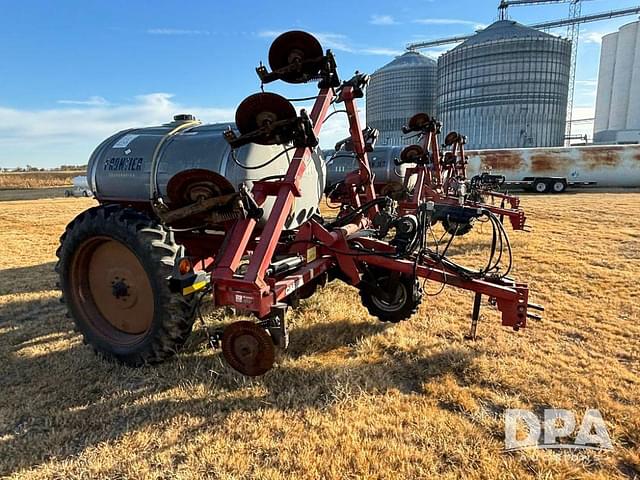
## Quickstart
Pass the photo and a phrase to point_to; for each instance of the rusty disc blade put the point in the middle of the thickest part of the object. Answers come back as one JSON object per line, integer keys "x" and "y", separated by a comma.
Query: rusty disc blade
{"x": 411, "y": 153}
{"x": 261, "y": 110}
{"x": 451, "y": 138}
{"x": 195, "y": 184}
{"x": 419, "y": 121}
{"x": 293, "y": 47}
{"x": 248, "y": 348}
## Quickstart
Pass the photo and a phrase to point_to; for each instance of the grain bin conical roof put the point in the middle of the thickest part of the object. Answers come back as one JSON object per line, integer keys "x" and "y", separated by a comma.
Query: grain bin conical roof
{"x": 504, "y": 30}
{"x": 408, "y": 59}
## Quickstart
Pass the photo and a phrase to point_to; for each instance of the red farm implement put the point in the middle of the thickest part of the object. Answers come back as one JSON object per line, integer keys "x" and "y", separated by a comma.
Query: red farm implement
{"x": 133, "y": 279}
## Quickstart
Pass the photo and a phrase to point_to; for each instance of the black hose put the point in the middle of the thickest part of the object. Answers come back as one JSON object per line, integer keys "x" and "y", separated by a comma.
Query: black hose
{"x": 257, "y": 167}
{"x": 351, "y": 215}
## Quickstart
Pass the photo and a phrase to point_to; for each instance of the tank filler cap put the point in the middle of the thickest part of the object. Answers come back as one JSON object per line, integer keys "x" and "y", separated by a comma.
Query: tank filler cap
{"x": 184, "y": 117}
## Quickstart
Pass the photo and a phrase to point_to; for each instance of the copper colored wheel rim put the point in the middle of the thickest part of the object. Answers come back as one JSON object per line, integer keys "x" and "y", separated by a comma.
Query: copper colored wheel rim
{"x": 111, "y": 290}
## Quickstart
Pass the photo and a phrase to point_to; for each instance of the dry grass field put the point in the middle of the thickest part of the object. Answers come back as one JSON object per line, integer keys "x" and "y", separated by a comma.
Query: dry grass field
{"x": 352, "y": 398}
{"x": 22, "y": 180}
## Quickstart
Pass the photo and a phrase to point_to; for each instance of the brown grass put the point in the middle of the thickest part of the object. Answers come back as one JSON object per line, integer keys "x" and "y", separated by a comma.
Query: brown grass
{"x": 12, "y": 180}
{"x": 352, "y": 398}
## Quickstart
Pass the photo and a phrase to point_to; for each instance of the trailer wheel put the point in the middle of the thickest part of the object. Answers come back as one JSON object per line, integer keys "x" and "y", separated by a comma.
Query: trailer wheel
{"x": 455, "y": 228}
{"x": 558, "y": 186}
{"x": 407, "y": 299}
{"x": 113, "y": 265}
{"x": 540, "y": 186}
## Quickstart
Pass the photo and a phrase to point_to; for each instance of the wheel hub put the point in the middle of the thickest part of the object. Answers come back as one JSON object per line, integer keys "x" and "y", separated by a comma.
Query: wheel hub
{"x": 119, "y": 288}
{"x": 397, "y": 297}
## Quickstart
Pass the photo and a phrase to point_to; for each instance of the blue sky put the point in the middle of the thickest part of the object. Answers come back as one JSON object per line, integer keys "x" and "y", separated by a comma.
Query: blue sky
{"x": 73, "y": 72}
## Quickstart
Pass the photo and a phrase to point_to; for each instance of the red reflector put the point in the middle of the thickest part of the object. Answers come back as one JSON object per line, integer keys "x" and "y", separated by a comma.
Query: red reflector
{"x": 184, "y": 266}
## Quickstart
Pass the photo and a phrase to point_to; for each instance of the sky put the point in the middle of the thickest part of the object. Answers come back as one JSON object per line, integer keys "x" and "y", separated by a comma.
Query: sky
{"x": 73, "y": 72}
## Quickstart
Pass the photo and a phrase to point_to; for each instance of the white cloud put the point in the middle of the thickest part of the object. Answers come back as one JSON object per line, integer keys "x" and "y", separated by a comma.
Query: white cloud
{"x": 335, "y": 41}
{"x": 587, "y": 83}
{"x": 382, "y": 20}
{"x": 592, "y": 37}
{"x": 390, "y": 52}
{"x": 176, "y": 31}
{"x": 91, "y": 101}
{"x": 449, "y": 21}
{"x": 337, "y": 127}
{"x": 68, "y": 134}
{"x": 340, "y": 42}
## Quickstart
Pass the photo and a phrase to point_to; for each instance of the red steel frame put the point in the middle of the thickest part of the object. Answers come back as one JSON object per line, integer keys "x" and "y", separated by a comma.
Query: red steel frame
{"x": 431, "y": 184}
{"x": 325, "y": 249}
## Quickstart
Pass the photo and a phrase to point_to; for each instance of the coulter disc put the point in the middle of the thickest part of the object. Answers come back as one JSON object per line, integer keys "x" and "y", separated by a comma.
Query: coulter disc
{"x": 296, "y": 47}
{"x": 262, "y": 110}
{"x": 248, "y": 348}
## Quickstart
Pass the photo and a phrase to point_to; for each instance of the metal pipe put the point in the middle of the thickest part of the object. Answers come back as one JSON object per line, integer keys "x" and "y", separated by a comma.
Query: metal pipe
{"x": 552, "y": 24}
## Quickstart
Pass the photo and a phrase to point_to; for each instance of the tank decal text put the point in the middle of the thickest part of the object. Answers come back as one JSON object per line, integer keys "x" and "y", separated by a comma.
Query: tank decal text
{"x": 123, "y": 164}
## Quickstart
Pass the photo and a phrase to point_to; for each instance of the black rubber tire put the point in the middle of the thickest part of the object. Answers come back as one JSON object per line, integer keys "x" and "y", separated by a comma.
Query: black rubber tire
{"x": 394, "y": 314}
{"x": 156, "y": 250}
{"x": 537, "y": 186}
{"x": 558, "y": 186}
{"x": 461, "y": 230}
{"x": 67, "y": 193}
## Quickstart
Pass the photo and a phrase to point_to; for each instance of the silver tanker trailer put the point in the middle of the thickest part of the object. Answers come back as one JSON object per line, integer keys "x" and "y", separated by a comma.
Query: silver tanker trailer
{"x": 554, "y": 169}
{"x": 184, "y": 161}
{"x": 537, "y": 169}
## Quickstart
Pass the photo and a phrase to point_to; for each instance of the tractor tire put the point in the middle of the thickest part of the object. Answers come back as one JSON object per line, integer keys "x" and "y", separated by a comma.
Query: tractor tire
{"x": 409, "y": 299}
{"x": 456, "y": 229}
{"x": 113, "y": 264}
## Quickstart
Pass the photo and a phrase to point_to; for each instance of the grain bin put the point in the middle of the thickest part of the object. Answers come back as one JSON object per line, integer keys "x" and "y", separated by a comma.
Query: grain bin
{"x": 506, "y": 87}
{"x": 617, "y": 117}
{"x": 399, "y": 90}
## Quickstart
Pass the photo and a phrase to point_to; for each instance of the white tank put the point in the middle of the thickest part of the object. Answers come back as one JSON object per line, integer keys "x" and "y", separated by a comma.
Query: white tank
{"x": 121, "y": 169}
{"x": 608, "y": 165}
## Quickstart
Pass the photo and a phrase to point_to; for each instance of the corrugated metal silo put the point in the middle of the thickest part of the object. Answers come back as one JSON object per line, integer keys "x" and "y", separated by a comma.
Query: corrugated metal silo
{"x": 617, "y": 117}
{"x": 505, "y": 87}
{"x": 400, "y": 89}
